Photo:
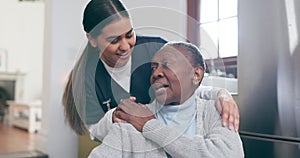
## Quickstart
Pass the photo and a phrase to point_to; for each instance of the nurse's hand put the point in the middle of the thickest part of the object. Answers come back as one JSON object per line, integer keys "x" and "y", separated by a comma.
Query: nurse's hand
{"x": 228, "y": 109}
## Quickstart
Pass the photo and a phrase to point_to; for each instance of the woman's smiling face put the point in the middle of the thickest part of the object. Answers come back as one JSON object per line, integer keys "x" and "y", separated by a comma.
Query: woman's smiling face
{"x": 172, "y": 75}
{"x": 116, "y": 42}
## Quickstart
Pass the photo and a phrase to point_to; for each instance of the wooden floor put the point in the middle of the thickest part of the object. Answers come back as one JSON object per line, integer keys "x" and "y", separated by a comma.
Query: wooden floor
{"x": 13, "y": 139}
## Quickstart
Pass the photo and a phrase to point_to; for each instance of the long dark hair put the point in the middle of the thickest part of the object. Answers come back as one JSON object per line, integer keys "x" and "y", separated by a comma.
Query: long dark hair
{"x": 99, "y": 13}
{"x": 71, "y": 112}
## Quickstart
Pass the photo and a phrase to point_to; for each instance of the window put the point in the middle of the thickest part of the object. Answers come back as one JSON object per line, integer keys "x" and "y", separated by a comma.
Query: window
{"x": 213, "y": 26}
{"x": 218, "y": 28}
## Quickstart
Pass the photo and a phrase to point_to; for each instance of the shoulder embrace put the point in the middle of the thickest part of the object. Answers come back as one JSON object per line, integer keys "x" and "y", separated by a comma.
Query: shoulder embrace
{"x": 207, "y": 108}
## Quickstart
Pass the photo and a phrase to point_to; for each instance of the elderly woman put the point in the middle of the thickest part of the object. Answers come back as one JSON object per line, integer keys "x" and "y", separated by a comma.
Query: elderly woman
{"x": 178, "y": 124}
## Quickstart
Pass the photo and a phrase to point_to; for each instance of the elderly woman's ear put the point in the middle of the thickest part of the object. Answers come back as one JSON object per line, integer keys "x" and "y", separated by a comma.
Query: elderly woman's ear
{"x": 198, "y": 75}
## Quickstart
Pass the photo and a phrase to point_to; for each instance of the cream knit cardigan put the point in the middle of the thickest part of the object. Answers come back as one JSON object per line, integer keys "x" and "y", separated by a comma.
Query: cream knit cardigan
{"x": 121, "y": 140}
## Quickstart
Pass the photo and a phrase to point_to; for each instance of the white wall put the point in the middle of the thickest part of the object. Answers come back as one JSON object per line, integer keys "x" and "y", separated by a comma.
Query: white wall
{"x": 165, "y": 18}
{"x": 21, "y": 34}
{"x": 63, "y": 37}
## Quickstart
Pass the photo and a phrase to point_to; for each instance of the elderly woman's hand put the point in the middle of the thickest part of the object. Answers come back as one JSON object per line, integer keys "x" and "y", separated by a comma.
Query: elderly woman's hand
{"x": 133, "y": 113}
{"x": 228, "y": 109}
{"x": 115, "y": 118}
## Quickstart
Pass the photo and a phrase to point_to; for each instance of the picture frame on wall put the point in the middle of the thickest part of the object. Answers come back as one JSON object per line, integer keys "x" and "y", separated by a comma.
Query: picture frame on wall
{"x": 3, "y": 60}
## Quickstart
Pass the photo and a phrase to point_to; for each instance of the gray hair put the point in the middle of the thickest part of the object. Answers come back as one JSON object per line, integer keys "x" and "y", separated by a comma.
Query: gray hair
{"x": 194, "y": 51}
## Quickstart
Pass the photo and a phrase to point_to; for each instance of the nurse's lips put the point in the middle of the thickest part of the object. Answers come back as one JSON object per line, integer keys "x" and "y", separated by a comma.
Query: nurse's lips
{"x": 124, "y": 55}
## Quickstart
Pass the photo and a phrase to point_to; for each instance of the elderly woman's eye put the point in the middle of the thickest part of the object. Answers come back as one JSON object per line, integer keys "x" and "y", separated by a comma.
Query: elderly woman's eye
{"x": 165, "y": 64}
{"x": 154, "y": 66}
{"x": 152, "y": 69}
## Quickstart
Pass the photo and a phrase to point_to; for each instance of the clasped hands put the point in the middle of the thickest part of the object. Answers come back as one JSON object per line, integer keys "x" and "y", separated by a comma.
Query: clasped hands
{"x": 134, "y": 113}
{"x": 138, "y": 114}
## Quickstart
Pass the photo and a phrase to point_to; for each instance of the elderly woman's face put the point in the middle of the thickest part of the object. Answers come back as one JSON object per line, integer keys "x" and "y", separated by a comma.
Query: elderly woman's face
{"x": 172, "y": 76}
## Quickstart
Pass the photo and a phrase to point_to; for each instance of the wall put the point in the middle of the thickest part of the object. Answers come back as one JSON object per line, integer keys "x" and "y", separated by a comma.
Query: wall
{"x": 21, "y": 34}
{"x": 165, "y": 18}
{"x": 62, "y": 39}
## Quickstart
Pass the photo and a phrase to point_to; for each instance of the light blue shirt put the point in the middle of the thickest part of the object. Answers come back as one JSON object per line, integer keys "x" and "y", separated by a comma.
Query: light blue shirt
{"x": 182, "y": 117}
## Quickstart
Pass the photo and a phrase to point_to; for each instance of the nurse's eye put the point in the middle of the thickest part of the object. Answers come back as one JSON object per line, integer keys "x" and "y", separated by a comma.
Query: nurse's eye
{"x": 115, "y": 41}
{"x": 129, "y": 35}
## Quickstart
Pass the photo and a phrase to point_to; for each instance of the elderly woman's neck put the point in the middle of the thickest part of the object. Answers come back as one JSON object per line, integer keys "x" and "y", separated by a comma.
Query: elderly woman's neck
{"x": 181, "y": 100}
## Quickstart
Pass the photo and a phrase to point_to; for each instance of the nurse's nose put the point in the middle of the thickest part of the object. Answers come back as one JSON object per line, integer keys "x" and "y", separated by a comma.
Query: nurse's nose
{"x": 124, "y": 45}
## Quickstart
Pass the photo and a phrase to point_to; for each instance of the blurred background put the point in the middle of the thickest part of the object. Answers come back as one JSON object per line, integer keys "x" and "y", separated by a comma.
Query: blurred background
{"x": 251, "y": 48}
